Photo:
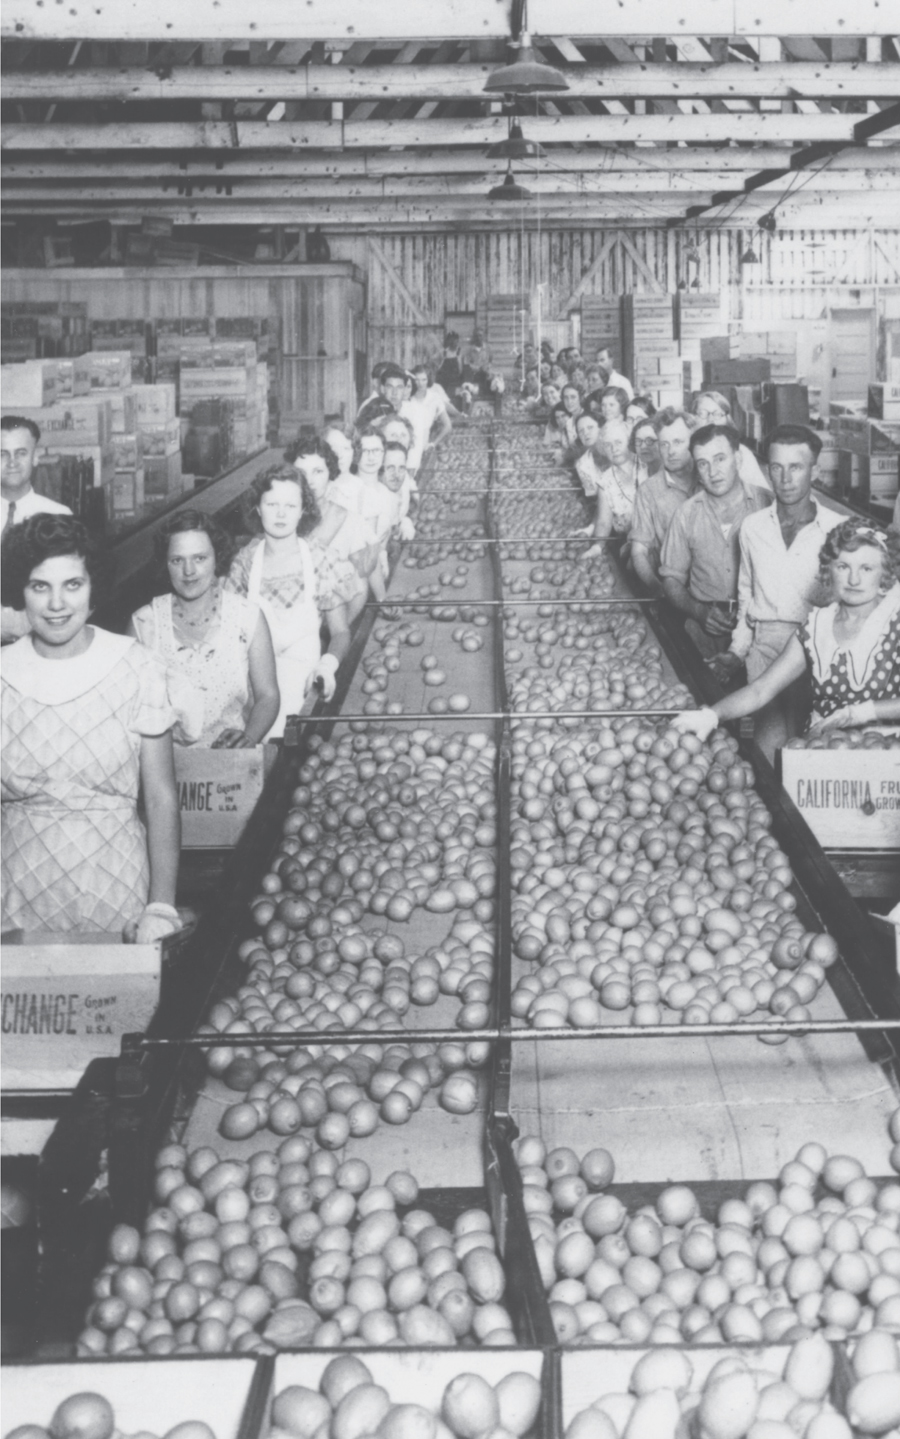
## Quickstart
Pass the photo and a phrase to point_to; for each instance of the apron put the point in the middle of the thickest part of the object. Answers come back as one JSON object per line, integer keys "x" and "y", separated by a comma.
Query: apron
{"x": 295, "y": 635}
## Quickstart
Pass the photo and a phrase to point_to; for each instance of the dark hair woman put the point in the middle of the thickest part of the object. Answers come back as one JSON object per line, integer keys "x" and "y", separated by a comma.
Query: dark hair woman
{"x": 215, "y": 644}
{"x": 297, "y": 586}
{"x": 86, "y": 722}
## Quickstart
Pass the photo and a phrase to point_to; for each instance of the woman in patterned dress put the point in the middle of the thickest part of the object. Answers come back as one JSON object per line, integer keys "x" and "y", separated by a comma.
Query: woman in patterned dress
{"x": 86, "y": 725}
{"x": 851, "y": 647}
{"x": 216, "y": 644}
{"x": 297, "y": 585}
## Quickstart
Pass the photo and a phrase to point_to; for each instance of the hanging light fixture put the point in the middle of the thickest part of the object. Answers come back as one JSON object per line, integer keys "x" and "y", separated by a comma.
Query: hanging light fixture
{"x": 768, "y": 222}
{"x": 526, "y": 76}
{"x": 516, "y": 147}
{"x": 510, "y": 189}
{"x": 750, "y": 256}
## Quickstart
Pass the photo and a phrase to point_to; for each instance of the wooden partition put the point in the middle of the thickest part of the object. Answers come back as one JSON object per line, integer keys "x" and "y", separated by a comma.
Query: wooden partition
{"x": 316, "y": 316}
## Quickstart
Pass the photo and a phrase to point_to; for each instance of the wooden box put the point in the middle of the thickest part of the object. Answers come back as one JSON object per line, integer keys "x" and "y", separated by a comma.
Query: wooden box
{"x": 68, "y": 999}
{"x": 145, "y": 1393}
{"x": 849, "y": 798}
{"x": 217, "y": 790}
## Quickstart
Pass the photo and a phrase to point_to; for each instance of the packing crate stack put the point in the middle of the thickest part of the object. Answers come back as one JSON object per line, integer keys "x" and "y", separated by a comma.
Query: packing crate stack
{"x": 149, "y": 406}
{"x": 650, "y": 349}
{"x": 867, "y": 439}
{"x": 698, "y": 315}
{"x": 601, "y": 326}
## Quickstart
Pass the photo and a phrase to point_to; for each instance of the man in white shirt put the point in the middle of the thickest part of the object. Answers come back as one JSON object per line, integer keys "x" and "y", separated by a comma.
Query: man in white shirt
{"x": 19, "y": 440}
{"x": 778, "y": 580}
{"x": 425, "y": 409}
{"x": 606, "y": 362}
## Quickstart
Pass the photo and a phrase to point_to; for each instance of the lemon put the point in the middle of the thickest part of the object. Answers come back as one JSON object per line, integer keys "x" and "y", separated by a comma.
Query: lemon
{"x": 809, "y": 1367}
{"x": 875, "y": 1353}
{"x": 591, "y": 1424}
{"x": 469, "y": 1407}
{"x": 728, "y": 1406}
{"x": 656, "y": 1416}
{"x": 873, "y": 1404}
{"x": 519, "y": 1400}
{"x": 662, "y": 1369}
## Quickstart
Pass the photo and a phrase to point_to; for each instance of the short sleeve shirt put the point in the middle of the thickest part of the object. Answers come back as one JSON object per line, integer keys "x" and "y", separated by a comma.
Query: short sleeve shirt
{"x": 702, "y": 554}
{"x": 657, "y": 501}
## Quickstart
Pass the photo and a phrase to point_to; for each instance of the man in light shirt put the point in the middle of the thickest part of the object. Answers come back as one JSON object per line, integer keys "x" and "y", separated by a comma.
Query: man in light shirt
{"x": 620, "y": 381}
{"x": 425, "y": 409}
{"x": 19, "y": 440}
{"x": 700, "y": 555}
{"x": 778, "y": 581}
{"x": 662, "y": 494}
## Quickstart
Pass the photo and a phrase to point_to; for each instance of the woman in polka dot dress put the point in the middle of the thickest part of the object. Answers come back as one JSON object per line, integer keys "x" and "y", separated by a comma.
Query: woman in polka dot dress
{"x": 851, "y": 648}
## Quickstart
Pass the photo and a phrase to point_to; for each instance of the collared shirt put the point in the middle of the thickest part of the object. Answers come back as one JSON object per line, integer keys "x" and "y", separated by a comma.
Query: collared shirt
{"x": 777, "y": 581}
{"x": 658, "y": 499}
{"x": 701, "y": 551}
{"x": 31, "y": 503}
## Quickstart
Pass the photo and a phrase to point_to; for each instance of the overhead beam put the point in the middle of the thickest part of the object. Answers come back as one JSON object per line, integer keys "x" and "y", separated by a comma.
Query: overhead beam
{"x": 344, "y": 134}
{"x": 780, "y": 81}
{"x": 691, "y": 185}
{"x": 852, "y": 211}
{"x": 719, "y": 163}
{"x": 357, "y": 20}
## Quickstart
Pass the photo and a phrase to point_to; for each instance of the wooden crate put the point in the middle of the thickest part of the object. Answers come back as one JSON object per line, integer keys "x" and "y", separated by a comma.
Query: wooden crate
{"x": 160, "y": 1393}
{"x": 849, "y": 798}
{"x": 68, "y": 999}
{"x": 217, "y": 790}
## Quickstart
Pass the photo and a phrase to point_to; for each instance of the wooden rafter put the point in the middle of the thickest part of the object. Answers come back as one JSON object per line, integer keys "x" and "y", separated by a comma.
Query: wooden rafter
{"x": 275, "y": 81}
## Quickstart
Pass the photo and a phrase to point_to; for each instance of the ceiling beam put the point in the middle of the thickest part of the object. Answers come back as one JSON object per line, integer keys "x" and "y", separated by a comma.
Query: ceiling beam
{"x": 344, "y": 134}
{"x": 555, "y": 186}
{"x": 713, "y": 161}
{"x": 351, "y": 21}
{"x": 683, "y": 81}
{"x": 855, "y": 210}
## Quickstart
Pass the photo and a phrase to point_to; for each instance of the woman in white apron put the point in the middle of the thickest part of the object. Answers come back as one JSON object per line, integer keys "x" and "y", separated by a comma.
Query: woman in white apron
{"x": 346, "y": 535}
{"x": 296, "y": 585}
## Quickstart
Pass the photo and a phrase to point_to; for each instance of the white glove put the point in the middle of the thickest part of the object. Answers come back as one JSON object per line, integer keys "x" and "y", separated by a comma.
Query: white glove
{"x": 592, "y": 553}
{"x": 156, "y": 922}
{"x": 325, "y": 671}
{"x": 407, "y": 529}
{"x": 698, "y": 722}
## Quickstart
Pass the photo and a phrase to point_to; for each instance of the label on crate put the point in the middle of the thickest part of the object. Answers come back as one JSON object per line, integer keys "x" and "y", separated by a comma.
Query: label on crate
{"x": 849, "y": 798}
{"x": 64, "y": 1004}
{"x": 217, "y": 790}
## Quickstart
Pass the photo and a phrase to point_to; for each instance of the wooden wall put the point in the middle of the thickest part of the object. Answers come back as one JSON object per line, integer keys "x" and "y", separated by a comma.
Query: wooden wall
{"x": 316, "y": 316}
{"x": 415, "y": 279}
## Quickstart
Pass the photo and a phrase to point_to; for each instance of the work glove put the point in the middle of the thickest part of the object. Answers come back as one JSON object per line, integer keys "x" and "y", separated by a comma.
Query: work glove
{"x": 156, "y": 922}
{"x": 698, "y": 722}
{"x": 407, "y": 529}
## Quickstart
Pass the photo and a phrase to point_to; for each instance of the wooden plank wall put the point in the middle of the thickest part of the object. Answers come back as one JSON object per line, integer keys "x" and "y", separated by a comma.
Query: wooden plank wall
{"x": 800, "y": 276}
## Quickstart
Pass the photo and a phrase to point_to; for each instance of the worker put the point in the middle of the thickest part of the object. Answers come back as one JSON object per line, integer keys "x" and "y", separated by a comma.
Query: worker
{"x": 610, "y": 404}
{"x": 700, "y": 554}
{"x": 644, "y": 445}
{"x": 560, "y": 429}
{"x": 217, "y": 643}
{"x": 617, "y": 486}
{"x": 19, "y": 440}
{"x": 450, "y": 371}
{"x": 712, "y": 408}
{"x": 375, "y": 403}
{"x": 850, "y": 648}
{"x": 398, "y": 478}
{"x": 640, "y": 408}
{"x": 662, "y": 493}
{"x": 86, "y": 725}
{"x": 779, "y": 580}
{"x": 297, "y": 586}
{"x": 427, "y": 410}
{"x": 361, "y": 494}
{"x": 349, "y": 538}
{"x": 613, "y": 376}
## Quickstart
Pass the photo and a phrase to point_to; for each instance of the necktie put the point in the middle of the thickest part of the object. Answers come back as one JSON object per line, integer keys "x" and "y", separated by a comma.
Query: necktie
{"x": 10, "y": 519}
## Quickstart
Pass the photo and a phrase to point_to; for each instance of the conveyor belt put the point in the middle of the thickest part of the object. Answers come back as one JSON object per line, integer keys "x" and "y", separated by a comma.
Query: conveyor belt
{"x": 701, "y": 1108}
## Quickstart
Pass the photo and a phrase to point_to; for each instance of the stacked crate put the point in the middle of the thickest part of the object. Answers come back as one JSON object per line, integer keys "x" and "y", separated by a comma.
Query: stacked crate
{"x": 135, "y": 336}
{"x": 698, "y": 316}
{"x": 868, "y": 445}
{"x": 650, "y": 350}
{"x": 159, "y": 437}
{"x": 601, "y": 327}
{"x": 779, "y": 347}
{"x": 224, "y": 370}
{"x": 30, "y": 329}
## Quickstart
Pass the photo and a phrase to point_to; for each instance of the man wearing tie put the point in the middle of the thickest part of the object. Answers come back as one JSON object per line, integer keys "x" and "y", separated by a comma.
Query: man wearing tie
{"x": 19, "y": 439}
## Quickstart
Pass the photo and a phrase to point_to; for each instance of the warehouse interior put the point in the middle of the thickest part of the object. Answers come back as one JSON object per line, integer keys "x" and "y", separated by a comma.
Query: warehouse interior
{"x": 520, "y": 1059}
